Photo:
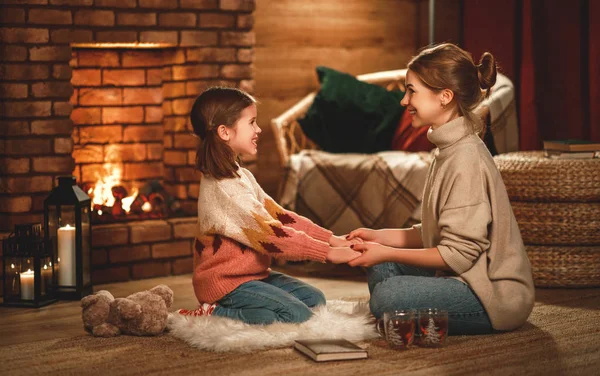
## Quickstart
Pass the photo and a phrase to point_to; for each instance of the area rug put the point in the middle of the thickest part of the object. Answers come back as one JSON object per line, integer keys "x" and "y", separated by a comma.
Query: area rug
{"x": 338, "y": 319}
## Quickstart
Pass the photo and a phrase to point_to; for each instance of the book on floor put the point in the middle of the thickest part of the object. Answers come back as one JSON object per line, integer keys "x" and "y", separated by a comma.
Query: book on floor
{"x": 322, "y": 350}
{"x": 572, "y": 146}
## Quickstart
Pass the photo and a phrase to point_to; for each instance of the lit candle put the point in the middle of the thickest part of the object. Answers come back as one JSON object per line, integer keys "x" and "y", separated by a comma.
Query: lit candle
{"x": 66, "y": 255}
{"x": 27, "y": 285}
{"x": 46, "y": 277}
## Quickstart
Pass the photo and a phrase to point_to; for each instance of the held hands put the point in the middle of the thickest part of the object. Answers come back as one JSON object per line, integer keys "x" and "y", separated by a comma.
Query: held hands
{"x": 371, "y": 254}
{"x": 341, "y": 255}
{"x": 341, "y": 241}
{"x": 364, "y": 234}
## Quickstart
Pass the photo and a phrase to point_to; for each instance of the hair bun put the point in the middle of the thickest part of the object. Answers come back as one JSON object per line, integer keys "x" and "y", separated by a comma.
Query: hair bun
{"x": 486, "y": 71}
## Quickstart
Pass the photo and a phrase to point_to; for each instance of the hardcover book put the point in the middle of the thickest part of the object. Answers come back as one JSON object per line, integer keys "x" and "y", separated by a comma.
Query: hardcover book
{"x": 555, "y": 154}
{"x": 322, "y": 350}
{"x": 572, "y": 146}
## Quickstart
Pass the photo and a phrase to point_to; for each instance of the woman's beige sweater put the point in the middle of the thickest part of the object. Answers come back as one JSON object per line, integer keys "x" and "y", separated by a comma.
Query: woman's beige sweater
{"x": 466, "y": 214}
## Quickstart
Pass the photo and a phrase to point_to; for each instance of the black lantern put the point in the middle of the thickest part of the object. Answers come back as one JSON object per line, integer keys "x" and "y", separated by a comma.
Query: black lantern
{"x": 28, "y": 268}
{"x": 67, "y": 224}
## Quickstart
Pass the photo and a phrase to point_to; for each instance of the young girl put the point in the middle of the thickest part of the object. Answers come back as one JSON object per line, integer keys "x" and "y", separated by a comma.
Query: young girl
{"x": 468, "y": 232}
{"x": 241, "y": 228}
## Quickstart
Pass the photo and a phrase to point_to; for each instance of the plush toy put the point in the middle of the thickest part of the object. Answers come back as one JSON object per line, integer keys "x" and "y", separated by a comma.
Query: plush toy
{"x": 141, "y": 314}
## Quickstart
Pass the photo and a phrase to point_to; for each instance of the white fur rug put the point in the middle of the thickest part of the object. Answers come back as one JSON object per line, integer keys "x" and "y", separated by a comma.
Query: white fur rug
{"x": 338, "y": 319}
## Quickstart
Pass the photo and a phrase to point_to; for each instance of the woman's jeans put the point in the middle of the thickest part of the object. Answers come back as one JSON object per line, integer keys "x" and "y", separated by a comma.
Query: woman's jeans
{"x": 276, "y": 298}
{"x": 396, "y": 286}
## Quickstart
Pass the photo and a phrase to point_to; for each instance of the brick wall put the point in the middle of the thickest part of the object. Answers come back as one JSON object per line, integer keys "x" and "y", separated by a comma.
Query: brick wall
{"x": 118, "y": 116}
{"x": 45, "y": 96}
{"x": 213, "y": 42}
{"x": 142, "y": 249}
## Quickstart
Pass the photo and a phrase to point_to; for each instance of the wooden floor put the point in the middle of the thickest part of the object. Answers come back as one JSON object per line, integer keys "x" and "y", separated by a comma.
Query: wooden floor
{"x": 560, "y": 338}
{"x": 63, "y": 319}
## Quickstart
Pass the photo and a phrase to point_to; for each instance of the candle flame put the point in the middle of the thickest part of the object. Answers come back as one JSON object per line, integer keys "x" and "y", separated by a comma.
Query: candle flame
{"x": 12, "y": 266}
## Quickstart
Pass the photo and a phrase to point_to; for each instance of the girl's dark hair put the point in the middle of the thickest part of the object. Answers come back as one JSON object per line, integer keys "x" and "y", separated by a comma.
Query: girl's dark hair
{"x": 217, "y": 106}
{"x": 447, "y": 66}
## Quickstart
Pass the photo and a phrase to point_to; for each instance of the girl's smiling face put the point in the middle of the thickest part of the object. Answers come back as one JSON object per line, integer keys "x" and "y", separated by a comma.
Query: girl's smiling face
{"x": 243, "y": 138}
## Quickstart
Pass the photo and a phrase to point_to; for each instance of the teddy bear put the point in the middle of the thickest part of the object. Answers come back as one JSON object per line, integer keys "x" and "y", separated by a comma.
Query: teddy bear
{"x": 142, "y": 313}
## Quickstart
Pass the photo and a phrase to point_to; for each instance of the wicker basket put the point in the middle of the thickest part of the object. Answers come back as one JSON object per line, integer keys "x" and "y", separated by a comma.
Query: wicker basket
{"x": 568, "y": 266}
{"x": 557, "y": 206}
{"x": 529, "y": 176}
{"x": 558, "y": 223}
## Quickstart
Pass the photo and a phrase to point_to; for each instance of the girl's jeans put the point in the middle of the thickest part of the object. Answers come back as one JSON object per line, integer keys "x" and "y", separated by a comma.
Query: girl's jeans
{"x": 278, "y": 297}
{"x": 396, "y": 286}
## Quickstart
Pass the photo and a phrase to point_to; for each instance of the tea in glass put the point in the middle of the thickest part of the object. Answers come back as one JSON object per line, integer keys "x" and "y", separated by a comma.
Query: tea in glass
{"x": 433, "y": 327}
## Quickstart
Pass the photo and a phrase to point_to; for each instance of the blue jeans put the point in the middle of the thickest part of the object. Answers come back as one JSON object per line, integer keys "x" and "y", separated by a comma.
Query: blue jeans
{"x": 278, "y": 297}
{"x": 396, "y": 286}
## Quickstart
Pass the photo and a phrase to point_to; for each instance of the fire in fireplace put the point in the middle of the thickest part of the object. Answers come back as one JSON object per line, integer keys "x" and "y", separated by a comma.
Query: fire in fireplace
{"x": 122, "y": 112}
{"x": 113, "y": 202}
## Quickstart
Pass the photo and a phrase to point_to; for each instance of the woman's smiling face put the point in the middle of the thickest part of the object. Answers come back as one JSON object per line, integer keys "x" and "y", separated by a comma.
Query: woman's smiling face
{"x": 423, "y": 104}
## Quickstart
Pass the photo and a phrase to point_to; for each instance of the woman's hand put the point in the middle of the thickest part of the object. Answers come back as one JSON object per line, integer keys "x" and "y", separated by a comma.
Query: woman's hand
{"x": 341, "y": 241}
{"x": 365, "y": 234}
{"x": 341, "y": 255}
{"x": 371, "y": 254}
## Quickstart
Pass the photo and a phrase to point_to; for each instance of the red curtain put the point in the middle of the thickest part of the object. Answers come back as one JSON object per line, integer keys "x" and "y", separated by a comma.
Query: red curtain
{"x": 551, "y": 51}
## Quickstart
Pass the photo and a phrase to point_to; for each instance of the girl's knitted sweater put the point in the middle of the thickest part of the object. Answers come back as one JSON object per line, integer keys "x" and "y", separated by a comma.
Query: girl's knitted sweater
{"x": 240, "y": 229}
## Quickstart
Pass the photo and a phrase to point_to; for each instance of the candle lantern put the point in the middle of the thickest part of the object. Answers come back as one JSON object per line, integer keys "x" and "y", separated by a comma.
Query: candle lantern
{"x": 67, "y": 222}
{"x": 28, "y": 268}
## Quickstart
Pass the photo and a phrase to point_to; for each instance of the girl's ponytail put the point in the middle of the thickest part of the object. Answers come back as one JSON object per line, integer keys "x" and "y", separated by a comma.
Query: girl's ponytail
{"x": 214, "y": 157}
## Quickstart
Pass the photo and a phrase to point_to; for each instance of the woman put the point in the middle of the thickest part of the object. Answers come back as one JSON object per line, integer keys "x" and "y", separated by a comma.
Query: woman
{"x": 467, "y": 255}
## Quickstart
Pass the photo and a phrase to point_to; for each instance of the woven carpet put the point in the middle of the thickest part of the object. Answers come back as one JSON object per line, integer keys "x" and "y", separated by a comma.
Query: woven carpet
{"x": 562, "y": 337}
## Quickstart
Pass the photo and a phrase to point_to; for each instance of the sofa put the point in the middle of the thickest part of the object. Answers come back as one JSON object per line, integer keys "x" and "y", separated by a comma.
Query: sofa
{"x": 345, "y": 190}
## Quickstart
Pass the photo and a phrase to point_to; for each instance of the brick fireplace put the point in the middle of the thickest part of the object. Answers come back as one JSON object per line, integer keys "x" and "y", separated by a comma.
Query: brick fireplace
{"x": 90, "y": 86}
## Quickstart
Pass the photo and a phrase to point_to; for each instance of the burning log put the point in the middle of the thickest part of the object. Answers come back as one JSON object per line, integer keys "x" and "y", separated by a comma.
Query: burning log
{"x": 151, "y": 201}
{"x": 119, "y": 192}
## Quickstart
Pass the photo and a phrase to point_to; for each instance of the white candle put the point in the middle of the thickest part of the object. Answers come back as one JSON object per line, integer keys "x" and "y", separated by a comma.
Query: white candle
{"x": 66, "y": 255}
{"x": 27, "y": 285}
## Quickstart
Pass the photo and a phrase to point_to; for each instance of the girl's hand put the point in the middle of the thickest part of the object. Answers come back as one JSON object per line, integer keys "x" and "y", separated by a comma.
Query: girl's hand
{"x": 341, "y": 241}
{"x": 365, "y": 234}
{"x": 371, "y": 254}
{"x": 341, "y": 255}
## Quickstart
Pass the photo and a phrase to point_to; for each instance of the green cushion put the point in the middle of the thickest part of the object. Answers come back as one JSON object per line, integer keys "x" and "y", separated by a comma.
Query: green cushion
{"x": 351, "y": 116}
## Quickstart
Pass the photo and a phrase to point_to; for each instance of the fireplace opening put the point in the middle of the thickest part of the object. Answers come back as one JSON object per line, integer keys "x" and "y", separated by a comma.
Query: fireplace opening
{"x": 123, "y": 117}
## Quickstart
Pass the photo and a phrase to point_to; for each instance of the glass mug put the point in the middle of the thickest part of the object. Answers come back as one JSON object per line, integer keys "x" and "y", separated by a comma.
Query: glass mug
{"x": 398, "y": 328}
{"x": 433, "y": 327}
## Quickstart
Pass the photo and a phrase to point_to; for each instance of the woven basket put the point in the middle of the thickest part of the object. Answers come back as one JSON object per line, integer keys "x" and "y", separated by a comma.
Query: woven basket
{"x": 565, "y": 266}
{"x": 558, "y": 223}
{"x": 529, "y": 176}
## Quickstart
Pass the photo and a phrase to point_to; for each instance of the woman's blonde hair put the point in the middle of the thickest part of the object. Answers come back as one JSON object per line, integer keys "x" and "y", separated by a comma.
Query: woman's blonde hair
{"x": 447, "y": 66}
{"x": 214, "y": 107}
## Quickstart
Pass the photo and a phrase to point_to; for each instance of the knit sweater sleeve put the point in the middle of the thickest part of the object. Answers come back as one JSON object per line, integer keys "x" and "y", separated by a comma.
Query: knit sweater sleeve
{"x": 463, "y": 221}
{"x": 247, "y": 221}
{"x": 290, "y": 218}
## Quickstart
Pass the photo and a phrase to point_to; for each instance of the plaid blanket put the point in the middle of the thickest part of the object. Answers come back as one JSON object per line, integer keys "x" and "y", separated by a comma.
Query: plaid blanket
{"x": 342, "y": 192}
